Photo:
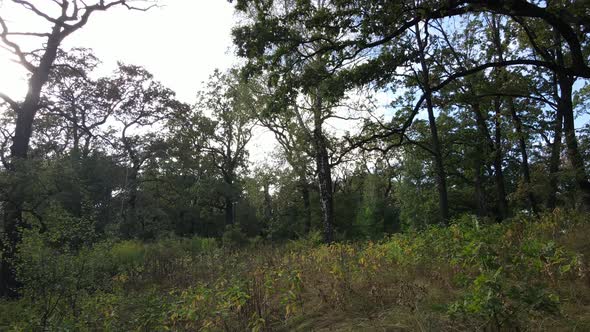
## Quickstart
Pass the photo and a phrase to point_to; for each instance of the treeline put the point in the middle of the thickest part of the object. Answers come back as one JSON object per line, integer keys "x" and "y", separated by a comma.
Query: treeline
{"x": 480, "y": 118}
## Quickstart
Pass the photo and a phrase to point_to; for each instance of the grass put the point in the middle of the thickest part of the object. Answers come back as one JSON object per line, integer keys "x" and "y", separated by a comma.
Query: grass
{"x": 524, "y": 274}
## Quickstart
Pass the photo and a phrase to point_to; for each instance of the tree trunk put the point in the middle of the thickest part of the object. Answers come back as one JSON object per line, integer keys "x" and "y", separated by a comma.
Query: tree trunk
{"x": 229, "y": 211}
{"x": 479, "y": 187}
{"x": 526, "y": 174}
{"x": 324, "y": 173}
{"x": 562, "y": 95}
{"x": 498, "y": 159}
{"x": 267, "y": 202}
{"x": 76, "y": 133}
{"x": 573, "y": 152}
{"x": 498, "y": 154}
{"x": 439, "y": 169}
{"x": 15, "y": 200}
{"x": 325, "y": 188}
{"x": 25, "y": 115}
{"x": 492, "y": 149}
{"x": 555, "y": 158}
{"x": 130, "y": 212}
{"x": 306, "y": 204}
{"x": 230, "y": 217}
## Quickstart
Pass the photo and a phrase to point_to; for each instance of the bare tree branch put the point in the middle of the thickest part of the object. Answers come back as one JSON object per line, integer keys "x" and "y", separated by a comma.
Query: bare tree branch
{"x": 14, "y": 47}
{"x": 13, "y": 104}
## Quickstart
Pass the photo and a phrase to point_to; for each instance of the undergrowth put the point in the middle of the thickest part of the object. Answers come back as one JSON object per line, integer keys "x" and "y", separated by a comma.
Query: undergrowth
{"x": 523, "y": 274}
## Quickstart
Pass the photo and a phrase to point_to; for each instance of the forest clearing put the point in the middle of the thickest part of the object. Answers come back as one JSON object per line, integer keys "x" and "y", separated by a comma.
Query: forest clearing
{"x": 294, "y": 165}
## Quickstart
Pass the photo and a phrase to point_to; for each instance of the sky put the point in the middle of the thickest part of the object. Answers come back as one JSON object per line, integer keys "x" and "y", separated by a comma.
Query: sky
{"x": 180, "y": 43}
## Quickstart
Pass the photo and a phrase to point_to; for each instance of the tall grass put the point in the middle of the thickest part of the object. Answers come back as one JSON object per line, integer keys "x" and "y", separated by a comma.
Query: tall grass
{"x": 524, "y": 274}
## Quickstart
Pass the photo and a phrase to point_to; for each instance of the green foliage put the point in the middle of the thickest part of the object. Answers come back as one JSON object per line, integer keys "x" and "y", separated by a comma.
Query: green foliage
{"x": 507, "y": 269}
{"x": 467, "y": 276}
{"x": 128, "y": 256}
{"x": 58, "y": 269}
{"x": 311, "y": 240}
{"x": 234, "y": 237}
{"x": 125, "y": 209}
{"x": 498, "y": 301}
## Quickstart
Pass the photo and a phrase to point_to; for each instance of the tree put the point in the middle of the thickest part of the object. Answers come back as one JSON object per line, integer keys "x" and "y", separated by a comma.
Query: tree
{"x": 77, "y": 103}
{"x": 230, "y": 106}
{"x": 425, "y": 85}
{"x": 299, "y": 74}
{"x": 39, "y": 63}
{"x": 189, "y": 180}
{"x": 139, "y": 107}
{"x": 291, "y": 136}
{"x": 70, "y": 16}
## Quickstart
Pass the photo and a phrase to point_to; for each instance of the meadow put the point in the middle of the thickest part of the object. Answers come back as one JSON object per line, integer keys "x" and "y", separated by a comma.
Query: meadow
{"x": 527, "y": 273}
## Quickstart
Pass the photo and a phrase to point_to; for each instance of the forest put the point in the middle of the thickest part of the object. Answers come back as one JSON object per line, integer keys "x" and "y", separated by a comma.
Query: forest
{"x": 429, "y": 172}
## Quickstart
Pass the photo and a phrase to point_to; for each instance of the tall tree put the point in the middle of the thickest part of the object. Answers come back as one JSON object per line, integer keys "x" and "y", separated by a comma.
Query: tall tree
{"x": 287, "y": 130}
{"x": 64, "y": 18}
{"x": 425, "y": 85}
{"x": 300, "y": 74}
{"x": 139, "y": 107}
{"x": 230, "y": 106}
{"x": 500, "y": 43}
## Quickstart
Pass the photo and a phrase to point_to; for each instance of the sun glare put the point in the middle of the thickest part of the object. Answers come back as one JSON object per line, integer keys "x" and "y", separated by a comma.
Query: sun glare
{"x": 12, "y": 78}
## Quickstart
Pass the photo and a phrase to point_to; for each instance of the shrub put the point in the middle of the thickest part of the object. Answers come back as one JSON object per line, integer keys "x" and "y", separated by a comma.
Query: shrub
{"x": 128, "y": 257}
{"x": 233, "y": 237}
{"x": 200, "y": 245}
{"x": 56, "y": 278}
{"x": 472, "y": 275}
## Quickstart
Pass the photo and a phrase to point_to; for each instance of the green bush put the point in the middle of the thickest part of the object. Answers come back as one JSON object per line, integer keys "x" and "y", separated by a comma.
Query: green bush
{"x": 199, "y": 245}
{"x": 128, "y": 256}
{"x": 58, "y": 270}
{"x": 234, "y": 237}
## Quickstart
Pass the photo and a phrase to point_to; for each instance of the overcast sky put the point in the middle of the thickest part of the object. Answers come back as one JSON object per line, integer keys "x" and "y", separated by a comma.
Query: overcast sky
{"x": 180, "y": 43}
